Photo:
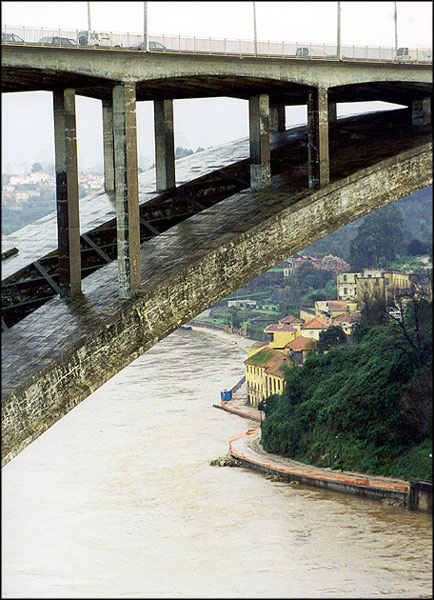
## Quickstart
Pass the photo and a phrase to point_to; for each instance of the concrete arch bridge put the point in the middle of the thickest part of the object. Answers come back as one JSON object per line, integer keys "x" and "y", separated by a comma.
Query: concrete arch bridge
{"x": 287, "y": 189}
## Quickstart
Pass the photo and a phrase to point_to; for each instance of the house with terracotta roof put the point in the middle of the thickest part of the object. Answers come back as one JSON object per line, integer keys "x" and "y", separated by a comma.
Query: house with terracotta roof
{"x": 264, "y": 374}
{"x": 329, "y": 309}
{"x": 313, "y": 328}
{"x": 347, "y": 322}
{"x": 280, "y": 334}
{"x": 300, "y": 348}
{"x": 291, "y": 320}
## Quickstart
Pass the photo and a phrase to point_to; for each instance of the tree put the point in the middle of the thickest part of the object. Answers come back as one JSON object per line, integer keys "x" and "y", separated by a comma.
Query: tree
{"x": 330, "y": 338}
{"x": 415, "y": 247}
{"x": 413, "y": 315}
{"x": 36, "y": 167}
{"x": 379, "y": 236}
{"x": 181, "y": 152}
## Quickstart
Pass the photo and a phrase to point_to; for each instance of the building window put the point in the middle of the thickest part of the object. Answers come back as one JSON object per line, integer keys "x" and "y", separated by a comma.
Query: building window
{"x": 345, "y": 277}
{"x": 345, "y": 291}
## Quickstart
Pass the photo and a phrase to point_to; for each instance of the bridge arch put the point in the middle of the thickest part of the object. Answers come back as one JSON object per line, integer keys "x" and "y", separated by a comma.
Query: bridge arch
{"x": 106, "y": 334}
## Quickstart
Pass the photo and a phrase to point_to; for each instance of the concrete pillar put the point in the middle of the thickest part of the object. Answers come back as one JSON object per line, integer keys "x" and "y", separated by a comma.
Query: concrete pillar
{"x": 259, "y": 133}
{"x": 109, "y": 165}
{"x": 421, "y": 112}
{"x": 318, "y": 138}
{"x": 126, "y": 189}
{"x": 277, "y": 119}
{"x": 68, "y": 220}
{"x": 164, "y": 145}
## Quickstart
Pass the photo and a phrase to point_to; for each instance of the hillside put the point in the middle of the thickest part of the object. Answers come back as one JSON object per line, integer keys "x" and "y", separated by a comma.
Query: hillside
{"x": 365, "y": 408}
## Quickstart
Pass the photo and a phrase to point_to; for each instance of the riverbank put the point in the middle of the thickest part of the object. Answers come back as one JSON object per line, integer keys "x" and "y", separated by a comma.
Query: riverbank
{"x": 246, "y": 448}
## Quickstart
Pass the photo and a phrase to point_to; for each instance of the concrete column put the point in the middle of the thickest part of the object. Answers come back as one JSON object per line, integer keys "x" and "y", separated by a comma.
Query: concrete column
{"x": 164, "y": 145}
{"x": 126, "y": 189}
{"x": 259, "y": 132}
{"x": 421, "y": 112}
{"x": 277, "y": 119}
{"x": 68, "y": 220}
{"x": 318, "y": 138}
{"x": 109, "y": 165}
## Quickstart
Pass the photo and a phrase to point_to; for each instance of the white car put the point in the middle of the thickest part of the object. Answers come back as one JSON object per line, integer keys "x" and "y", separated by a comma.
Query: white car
{"x": 95, "y": 38}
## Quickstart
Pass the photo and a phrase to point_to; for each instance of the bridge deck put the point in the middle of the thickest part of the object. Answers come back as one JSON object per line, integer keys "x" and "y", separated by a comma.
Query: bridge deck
{"x": 61, "y": 327}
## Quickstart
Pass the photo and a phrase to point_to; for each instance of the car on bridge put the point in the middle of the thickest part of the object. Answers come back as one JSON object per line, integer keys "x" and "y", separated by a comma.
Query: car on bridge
{"x": 96, "y": 38}
{"x": 57, "y": 41}
{"x": 151, "y": 45}
{"x": 12, "y": 37}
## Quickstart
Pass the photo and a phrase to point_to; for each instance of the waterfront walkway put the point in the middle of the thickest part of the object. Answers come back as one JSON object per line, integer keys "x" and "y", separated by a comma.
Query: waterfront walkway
{"x": 246, "y": 448}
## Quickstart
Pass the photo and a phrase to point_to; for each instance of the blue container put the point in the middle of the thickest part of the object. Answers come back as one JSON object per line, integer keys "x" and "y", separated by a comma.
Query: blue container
{"x": 226, "y": 395}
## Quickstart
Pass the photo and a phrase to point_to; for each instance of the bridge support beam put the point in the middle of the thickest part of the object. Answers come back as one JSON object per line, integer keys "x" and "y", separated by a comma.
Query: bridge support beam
{"x": 126, "y": 189}
{"x": 164, "y": 145}
{"x": 107, "y": 126}
{"x": 318, "y": 138}
{"x": 259, "y": 133}
{"x": 277, "y": 119}
{"x": 68, "y": 220}
{"x": 421, "y": 111}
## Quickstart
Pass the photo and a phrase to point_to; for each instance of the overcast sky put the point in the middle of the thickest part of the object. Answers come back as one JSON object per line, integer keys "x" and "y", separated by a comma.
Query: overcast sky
{"x": 27, "y": 128}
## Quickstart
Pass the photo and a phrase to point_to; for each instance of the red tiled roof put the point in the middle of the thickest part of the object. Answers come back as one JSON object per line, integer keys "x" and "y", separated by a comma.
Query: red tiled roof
{"x": 341, "y": 319}
{"x": 290, "y": 319}
{"x": 276, "y": 327}
{"x": 316, "y": 323}
{"x": 301, "y": 343}
{"x": 337, "y": 304}
{"x": 274, "y": 365}
{"x": 262, "y": 357}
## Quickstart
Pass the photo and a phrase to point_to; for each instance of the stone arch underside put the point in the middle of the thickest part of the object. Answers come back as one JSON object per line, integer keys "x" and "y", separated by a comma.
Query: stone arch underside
{"x": 110, "y": 333}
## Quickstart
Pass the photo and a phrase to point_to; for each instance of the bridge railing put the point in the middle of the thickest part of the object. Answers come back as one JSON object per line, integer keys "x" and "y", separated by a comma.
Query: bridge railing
{"x": 207, "y": 45}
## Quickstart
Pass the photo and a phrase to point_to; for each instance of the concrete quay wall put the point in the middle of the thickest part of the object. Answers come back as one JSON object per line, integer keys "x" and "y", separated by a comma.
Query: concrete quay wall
{"x": 76, "y": 347}
{"x": 344, "y": 483}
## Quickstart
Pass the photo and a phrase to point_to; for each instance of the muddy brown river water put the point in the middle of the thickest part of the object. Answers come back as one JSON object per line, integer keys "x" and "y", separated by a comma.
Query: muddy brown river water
{"x": 118, "y": 500}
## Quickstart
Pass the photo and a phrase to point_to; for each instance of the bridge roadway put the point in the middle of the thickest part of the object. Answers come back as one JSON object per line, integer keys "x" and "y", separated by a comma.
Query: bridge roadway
{"x": 164, "y": 75}
{"x": 65, "y": 350}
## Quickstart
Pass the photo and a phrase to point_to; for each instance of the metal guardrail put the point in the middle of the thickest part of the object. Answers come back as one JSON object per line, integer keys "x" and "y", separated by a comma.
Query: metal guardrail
{"x": 71, "y": 38}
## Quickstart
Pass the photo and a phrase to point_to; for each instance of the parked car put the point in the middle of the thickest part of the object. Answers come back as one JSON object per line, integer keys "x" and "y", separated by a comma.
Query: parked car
{"x": 57, "y": 41}
{"x": 12, "y": 37}
{"x": 95, "y": 38}
{"x": 152, "y": 46}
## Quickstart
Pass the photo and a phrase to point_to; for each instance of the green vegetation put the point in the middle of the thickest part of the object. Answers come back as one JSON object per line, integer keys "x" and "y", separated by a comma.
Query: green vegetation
{"x": 378, "y": 237}
{"x": 368, "y": 406}
{"x": 331, "y": 338}
{"x": 262, "y": 356}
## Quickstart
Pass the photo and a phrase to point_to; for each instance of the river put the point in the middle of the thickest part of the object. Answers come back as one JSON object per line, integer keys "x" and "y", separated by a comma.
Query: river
{"x": 118, "y": 500}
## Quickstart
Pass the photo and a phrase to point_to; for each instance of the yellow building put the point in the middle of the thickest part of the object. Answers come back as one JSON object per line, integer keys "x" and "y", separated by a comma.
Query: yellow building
{"x": 280, "y": 334}
{"x": 264, "y": 374}
{"x": 374, "y": 284}
{"x": 347, "y": 285}
{"x": 313, "y": 328}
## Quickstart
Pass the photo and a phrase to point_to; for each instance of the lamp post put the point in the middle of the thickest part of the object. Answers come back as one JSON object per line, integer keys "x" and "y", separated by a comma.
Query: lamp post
{"x": 89, "y": 26}
{"x": 395, "y": 16}
{"x": 255, "y": 37}
{"x": 145, "y": 26}
{"x": 338, "y": 47}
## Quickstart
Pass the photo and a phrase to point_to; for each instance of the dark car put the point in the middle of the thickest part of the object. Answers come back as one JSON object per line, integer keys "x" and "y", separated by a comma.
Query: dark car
{"x": 58, "y": 41}
{"x": 12, "y": 37}
{"x": 152, "y": 46}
